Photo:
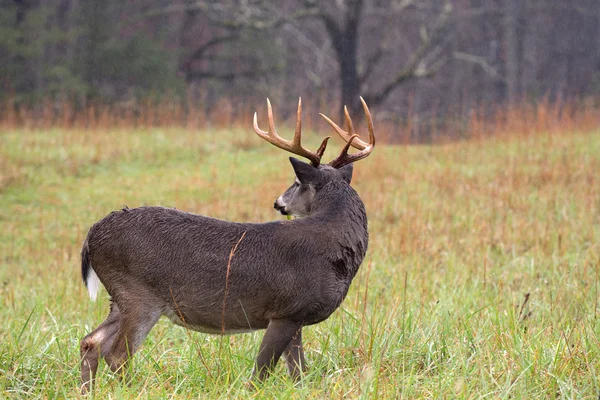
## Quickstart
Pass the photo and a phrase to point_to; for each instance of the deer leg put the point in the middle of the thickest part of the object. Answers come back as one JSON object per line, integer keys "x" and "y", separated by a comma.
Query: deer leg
{"x": 277, "y": 337}
{"x": 294, "y": 356}
{"x": 96, "y": 344}
{"x": 135, "y": 325}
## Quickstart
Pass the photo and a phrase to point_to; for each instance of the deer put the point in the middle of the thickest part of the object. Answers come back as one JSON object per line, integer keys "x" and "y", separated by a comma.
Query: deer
{"x": 221, "y": 277}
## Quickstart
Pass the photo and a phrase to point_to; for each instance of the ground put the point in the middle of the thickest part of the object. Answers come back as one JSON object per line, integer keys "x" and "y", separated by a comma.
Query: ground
{"x": 481, "y": 278}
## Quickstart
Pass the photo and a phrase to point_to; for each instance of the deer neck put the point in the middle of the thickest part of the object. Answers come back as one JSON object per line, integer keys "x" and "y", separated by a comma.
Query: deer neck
{"x": 342, "y": 221}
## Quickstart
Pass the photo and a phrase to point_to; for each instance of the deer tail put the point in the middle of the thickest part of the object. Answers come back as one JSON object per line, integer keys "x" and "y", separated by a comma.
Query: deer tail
{"x": 90, "y": 279}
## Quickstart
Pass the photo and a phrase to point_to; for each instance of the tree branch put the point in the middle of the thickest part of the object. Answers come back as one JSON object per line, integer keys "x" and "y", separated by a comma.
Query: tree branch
{"x": 416, "y": 67}
{"x": 200, "y": 52}
{"x": 212, "y": 43}
{"x": 481, "y": 61}
{"x": 174, "y": 9}
{"x": 335, "y": 33}
{"x": 260, "y": 20}
{"x": 228, "y": 76}
{"x": 371, "y": 63}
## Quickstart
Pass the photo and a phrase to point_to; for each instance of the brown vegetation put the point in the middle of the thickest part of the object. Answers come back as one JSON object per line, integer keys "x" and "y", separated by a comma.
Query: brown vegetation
{"x": 521, "y": 119}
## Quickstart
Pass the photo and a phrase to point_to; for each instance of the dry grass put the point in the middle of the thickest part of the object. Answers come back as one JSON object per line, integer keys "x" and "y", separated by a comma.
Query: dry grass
{"x": 522, "y": 119}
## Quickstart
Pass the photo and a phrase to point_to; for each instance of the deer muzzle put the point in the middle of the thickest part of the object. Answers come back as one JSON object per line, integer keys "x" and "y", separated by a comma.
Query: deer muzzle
{"x": 280, "y": 207}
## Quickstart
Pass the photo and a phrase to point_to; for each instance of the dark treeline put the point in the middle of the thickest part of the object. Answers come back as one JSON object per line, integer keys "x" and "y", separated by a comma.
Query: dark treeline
{"x": 425, "y": 58}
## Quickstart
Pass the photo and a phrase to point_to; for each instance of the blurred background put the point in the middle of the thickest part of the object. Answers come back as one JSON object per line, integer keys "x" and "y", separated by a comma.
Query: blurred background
{"x": 429, "y": 68}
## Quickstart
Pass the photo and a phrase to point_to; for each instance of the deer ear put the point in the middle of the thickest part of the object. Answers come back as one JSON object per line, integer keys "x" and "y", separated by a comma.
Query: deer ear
{"x": 306, "y": 173}
{"x": 346, "y": 172}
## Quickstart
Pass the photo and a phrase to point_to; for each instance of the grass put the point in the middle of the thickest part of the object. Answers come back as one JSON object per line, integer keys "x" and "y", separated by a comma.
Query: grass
{"x": 481, "y": 279}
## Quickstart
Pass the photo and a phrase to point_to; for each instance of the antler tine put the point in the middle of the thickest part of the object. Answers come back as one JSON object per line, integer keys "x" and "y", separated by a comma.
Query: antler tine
{"x": 352, "y": 139}
{"x": 270, "y": 118}
{"x": 298, "y": 131}
{"x": 322, "y": 147}
{"x": 349, "y": 122}
{"x": 369, "y": 122}
{"x": 356, "y": 143}
{"x": 293, "y": 146}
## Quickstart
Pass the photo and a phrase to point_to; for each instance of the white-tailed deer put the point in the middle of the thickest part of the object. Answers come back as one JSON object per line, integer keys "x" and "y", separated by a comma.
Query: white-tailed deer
{"x": 225, "y": 277}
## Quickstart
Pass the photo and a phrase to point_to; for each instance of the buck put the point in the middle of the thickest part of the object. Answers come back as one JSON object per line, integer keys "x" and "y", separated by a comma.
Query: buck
{"x": 222, "y": 277}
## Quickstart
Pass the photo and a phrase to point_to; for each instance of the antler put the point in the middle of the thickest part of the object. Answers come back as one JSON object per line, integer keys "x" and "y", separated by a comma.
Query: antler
{"x": 352, "y": 139}
{"x": 293, "y": 146}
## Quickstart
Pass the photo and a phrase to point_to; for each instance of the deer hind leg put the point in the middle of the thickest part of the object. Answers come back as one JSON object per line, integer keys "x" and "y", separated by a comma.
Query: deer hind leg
{"x": 294, "y": 356}
{"x": 278, "y": 336}
{"x": 136, "y": 323}
{"x": 97, "y": 344}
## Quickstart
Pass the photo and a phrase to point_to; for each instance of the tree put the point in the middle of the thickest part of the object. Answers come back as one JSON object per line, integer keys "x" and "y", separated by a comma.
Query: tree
{"x": 473, "y": 53}
{"x": 116, "y": 66}
{"x": 354, "y": 72}
{"x": 236, "y": 20}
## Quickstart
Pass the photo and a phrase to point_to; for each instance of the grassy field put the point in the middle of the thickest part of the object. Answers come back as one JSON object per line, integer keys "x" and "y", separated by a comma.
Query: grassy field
{"x": 481, "y": 279}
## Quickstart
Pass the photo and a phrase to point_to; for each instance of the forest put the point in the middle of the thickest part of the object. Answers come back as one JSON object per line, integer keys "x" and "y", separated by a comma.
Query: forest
{"x": 433, "y": 61}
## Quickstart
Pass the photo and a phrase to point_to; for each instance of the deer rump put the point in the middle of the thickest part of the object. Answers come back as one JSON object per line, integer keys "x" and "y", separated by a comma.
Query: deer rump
{"x": 184, "y": 265}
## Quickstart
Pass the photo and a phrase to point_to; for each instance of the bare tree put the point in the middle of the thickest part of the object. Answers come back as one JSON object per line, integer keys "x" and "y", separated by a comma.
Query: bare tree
{"x": 512, "y": 9}
{"x": 342, "y": 21}
{"x": 472, "y": 53}
{"x": 343, "y": 25}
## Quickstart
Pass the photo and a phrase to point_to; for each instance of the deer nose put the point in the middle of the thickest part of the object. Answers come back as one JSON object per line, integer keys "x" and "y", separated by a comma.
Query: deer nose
{"x": 280, "y": 208}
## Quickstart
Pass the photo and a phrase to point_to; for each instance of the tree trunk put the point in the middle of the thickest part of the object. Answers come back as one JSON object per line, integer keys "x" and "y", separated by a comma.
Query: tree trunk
{"x": 349, "y": 78}
{"x": 27, "y": 84}
{"x": 511, "y": 43}
{"x": 345, "y": 43}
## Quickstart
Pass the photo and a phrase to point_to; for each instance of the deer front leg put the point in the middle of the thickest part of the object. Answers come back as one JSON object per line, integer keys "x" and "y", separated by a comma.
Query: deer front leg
{"x": 277, "y": 337}
{"x": 294, "y": 356}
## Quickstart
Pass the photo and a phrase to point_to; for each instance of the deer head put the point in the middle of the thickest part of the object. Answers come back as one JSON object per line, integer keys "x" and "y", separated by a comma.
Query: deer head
{"x": 299, "y": 199}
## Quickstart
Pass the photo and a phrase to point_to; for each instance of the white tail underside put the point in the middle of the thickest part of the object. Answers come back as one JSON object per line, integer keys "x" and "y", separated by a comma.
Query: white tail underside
{"x": 93, "y": 283}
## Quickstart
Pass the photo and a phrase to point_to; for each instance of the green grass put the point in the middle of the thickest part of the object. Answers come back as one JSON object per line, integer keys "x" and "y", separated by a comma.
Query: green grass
{"x": 460, "y": 233}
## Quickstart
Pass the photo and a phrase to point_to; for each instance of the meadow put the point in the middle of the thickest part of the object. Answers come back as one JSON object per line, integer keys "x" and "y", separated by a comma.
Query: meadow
{"x": 481, "y": 279}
